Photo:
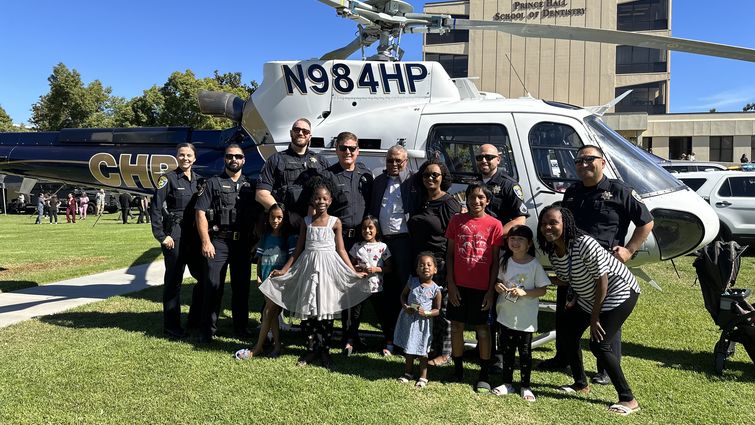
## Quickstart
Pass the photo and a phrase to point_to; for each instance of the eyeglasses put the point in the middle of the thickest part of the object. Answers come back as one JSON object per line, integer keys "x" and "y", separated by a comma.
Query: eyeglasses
{"x": 432, "y": 176}
{"x": 587, "y": 159}
{"x": 394, "y": 161}
{"x": 303, "y": 131}
{"x": 487, "y": 157}
{"x": 344, "y": 148}
{"x": 238, "y": 156}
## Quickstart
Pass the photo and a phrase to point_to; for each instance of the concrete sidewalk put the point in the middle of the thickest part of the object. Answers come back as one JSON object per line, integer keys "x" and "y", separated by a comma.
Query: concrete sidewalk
{"x": 56, "y": 297}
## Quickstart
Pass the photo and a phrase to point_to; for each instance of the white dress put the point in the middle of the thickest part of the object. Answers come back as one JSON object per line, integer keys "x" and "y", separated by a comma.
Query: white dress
{"x": 319, "y": 285}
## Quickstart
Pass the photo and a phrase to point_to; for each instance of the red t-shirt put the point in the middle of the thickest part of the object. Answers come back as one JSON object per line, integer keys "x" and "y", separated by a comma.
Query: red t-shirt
{"x": 474, "y": 239}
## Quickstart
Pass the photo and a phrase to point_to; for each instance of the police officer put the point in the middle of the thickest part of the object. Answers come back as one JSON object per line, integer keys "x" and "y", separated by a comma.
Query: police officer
{"x": 603, "y": 208}
{"x": 283, "y": 176}
{"x": 172, "y": 213}
{"x": 507, "y": 205}
{"x": 353, "y": 181}
{"x": 223, "y": 213}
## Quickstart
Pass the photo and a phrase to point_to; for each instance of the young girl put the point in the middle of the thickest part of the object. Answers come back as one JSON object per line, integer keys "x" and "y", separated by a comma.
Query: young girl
{"x": 372, "y": 257}
{"x": 521, "y": 280}
{"x": 421, "y": 300}
{"x": 273, "y": 250}
{"x": 318, "y": 281}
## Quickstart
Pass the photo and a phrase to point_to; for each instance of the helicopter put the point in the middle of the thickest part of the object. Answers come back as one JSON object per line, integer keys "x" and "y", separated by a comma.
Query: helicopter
{"x": 386, "y": 102}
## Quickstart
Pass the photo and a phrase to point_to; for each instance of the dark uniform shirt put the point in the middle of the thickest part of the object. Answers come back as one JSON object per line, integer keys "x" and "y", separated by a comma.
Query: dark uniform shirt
{"x": 228, "y": 204}
{"x": 280, "y": 173}
{"x": 356, "y": 189}
{"x": 175, "y": 196}
{"x": 508, "y": 198}
{"x": 605, "y": 210}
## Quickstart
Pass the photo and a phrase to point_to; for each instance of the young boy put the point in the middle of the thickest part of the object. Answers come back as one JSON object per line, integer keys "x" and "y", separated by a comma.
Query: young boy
{"x": 474, "y": 239}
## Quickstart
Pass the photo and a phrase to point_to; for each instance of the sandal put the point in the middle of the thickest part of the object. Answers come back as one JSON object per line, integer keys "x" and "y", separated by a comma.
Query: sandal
{"x": 504, "y": 389}
{"x": 243, "y": 354}
{"x": 406, "y": 378}
{"x": 528, "y": 395}
{"x": 621, "y": 409}
{"x": 421, "y": 383}
{"x": 441, "y": 360}
{"x": 571, "y": 389}
{"x": 388, "y": 350}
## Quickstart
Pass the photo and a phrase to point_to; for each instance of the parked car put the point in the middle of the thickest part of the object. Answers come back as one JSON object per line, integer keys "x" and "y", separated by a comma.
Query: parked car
{"x": 732, "y": 196}
{"x": 680, "y": 166}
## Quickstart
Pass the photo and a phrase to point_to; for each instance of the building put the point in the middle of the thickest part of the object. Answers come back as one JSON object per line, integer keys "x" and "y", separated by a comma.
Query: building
{"x": 588, "y": 73}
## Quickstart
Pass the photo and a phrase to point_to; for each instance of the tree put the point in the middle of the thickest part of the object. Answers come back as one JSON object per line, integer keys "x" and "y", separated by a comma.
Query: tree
{"x": 749, "y": 107}
{"x": 6, "y": 123}
{"x": 71, "y": 104}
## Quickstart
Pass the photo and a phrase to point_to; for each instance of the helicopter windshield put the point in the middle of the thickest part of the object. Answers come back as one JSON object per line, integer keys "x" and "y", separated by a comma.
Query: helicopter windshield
{"x": 636, "y": 167}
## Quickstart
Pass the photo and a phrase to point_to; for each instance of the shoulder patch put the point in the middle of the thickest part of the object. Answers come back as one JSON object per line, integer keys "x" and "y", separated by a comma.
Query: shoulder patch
{"x": 162, "y": 181}
{"x": 519, "y": 192}
{"x": 636, "y": 196}
{"x": 202, "y": 187}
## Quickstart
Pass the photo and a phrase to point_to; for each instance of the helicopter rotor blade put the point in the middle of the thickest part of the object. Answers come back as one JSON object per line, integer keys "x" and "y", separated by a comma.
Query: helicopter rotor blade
{"x": 607, "y": 36}
{"x": 346, "y": 51}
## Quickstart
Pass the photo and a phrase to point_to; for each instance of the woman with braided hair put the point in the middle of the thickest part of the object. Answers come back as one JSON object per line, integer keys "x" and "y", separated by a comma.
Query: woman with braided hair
{"x": 605, "y": 293}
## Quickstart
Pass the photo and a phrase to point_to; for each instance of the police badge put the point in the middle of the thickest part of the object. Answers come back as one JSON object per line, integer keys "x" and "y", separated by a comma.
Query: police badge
{"x": 495, "y": 189}
{"x": 162, "y": 181}
{"x": 606, "y": 196}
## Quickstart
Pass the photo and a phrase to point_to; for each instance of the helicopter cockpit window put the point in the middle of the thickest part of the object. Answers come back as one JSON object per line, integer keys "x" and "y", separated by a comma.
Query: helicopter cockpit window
{"x": 554, "y": 147}
{"x": 457, "y": 145}
{"x": 636, "y": 167}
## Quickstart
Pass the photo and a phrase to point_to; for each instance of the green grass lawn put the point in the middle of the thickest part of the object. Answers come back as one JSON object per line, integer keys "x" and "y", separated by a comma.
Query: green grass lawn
{"x": 32, "y": 255}
{"x": 108, "y": 363}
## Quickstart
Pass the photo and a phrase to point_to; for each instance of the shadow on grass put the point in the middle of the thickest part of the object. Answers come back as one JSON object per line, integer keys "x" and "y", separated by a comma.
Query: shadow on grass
{"x": 14, "y": 285}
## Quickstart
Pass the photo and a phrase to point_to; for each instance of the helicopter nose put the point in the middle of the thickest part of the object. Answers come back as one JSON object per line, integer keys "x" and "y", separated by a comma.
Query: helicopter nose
{"x": 679, "y": 232}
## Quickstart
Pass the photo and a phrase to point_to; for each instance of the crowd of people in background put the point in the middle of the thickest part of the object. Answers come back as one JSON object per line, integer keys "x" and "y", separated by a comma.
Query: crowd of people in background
{"x": 430, "y": 264}
{"x": 77, "y": 206}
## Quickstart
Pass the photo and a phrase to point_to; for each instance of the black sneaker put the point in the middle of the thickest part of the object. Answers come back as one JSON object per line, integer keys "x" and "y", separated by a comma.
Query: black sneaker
{"x": 175, "y": 333}
{"x": 601, "y": 378}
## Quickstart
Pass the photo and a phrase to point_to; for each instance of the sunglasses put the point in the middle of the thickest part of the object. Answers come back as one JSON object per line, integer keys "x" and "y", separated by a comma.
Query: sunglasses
{"x": 487, "y": 157}
{"x": 394, "y": 161}
{"x": 231, "y": 156}
{"x": 588, "y": 159}
{"x": 344, "y": 148}
{"x": 303, "y": 131}
{"x": 432, "y": 176}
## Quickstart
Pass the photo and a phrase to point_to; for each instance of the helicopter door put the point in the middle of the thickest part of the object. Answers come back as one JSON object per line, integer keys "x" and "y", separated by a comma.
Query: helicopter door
{"x": 456, "y": 139}
{"x": 549, "y": 156}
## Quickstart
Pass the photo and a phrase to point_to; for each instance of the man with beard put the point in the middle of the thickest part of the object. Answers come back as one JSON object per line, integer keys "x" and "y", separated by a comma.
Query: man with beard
{"x": 223, "y": 215}
{"x": 283, "y": 176}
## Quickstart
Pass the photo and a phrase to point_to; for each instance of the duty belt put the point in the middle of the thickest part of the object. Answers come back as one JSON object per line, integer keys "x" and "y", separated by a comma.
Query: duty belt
{"x": 349, "y": 233}
{"x": 227, "y": 234}
{"x": 396, "y": 236}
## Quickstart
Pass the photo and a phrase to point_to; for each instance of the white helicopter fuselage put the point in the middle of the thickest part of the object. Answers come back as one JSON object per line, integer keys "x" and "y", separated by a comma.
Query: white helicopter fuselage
{"x": 417, "y": 105}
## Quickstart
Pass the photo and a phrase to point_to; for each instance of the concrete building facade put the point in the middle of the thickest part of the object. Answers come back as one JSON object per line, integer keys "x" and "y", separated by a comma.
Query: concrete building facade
{"x": 588, "y": 73}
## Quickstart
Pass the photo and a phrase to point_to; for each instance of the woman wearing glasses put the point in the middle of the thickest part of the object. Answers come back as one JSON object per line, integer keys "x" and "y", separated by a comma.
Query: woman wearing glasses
{"x": 427, "y": 225}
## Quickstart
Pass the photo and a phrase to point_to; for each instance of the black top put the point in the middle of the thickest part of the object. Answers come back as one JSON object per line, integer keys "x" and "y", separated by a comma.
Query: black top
{"x": 284, "y": 168}
{"x": 356, "y": 187}
{"x": 508, "y": 198}
{"x": 427, "y": 226}
{"x": 605, "y": 210}
{"x": 232, "y": 203}
{"x": 176, "y": 193}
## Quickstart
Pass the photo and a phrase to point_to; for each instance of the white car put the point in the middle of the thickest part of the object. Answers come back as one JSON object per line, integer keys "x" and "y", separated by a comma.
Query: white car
{"x": 732, "y": 196}
{"x": 681, "y": 166}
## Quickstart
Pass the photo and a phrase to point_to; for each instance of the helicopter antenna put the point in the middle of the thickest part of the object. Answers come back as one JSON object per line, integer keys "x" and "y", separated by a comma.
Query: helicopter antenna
{"x": 527, "y": 92}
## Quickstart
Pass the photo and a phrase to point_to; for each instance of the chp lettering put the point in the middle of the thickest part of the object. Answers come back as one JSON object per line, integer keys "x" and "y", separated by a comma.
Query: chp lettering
{"x": 402, "y": 77}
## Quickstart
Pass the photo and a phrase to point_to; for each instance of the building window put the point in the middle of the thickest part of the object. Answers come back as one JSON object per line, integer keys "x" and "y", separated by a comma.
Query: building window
{"x": 455, "y": 65}
{"x": 453, "y": 36}
{"x": 632, "y": 60}
{"x": 722, "y": 148}
{"x": 649, "y": 98}
{"x": 642, "y": 15}
{"x": 752, "y": 148}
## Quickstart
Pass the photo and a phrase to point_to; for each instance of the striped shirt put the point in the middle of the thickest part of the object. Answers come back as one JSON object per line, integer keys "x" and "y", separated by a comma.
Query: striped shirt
{"x": 589, "y": 261}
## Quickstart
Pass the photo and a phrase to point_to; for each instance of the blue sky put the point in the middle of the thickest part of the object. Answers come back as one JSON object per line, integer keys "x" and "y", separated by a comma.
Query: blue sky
{"x": 132, "y": 45}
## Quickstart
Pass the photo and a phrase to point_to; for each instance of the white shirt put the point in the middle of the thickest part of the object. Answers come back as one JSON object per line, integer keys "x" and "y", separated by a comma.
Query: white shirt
{"x": 372, "y": 254}
{"x": 522, "y": 314}
{"x": 392, "y": 216}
